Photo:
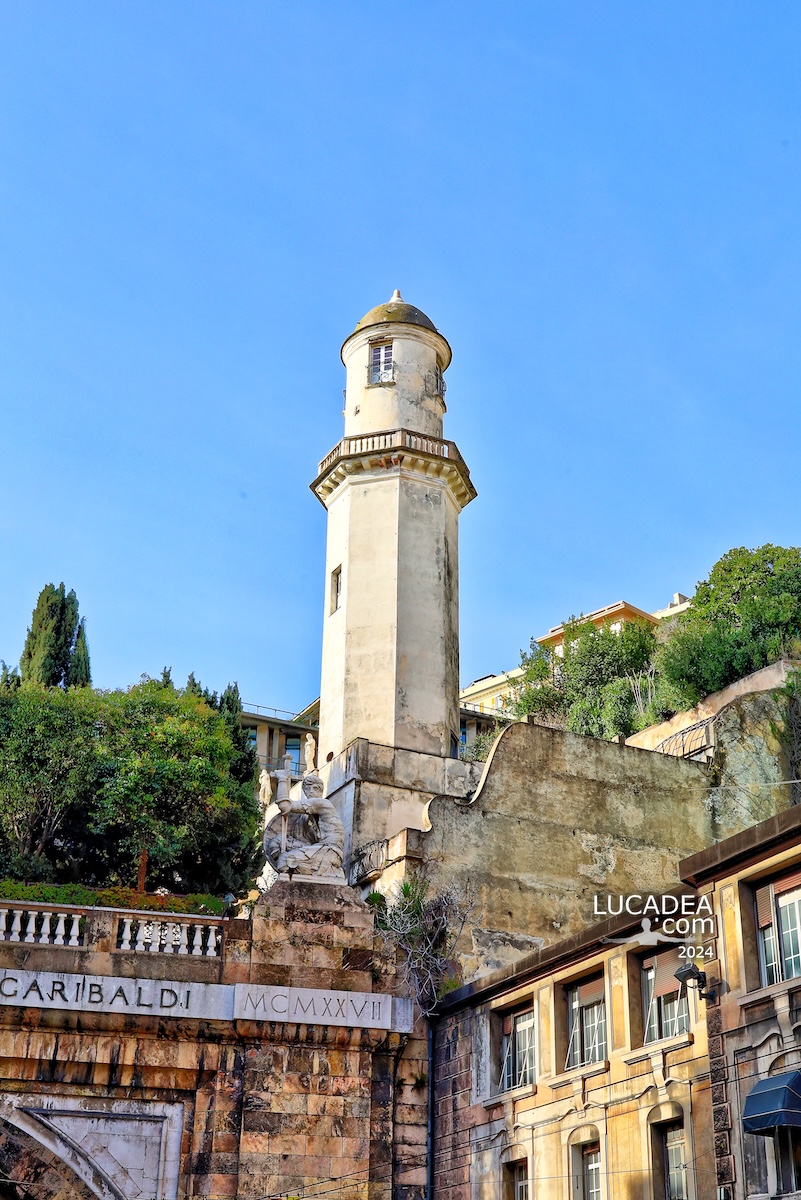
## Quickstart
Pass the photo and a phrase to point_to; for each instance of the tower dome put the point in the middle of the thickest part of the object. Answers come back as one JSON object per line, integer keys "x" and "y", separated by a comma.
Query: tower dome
{"x": 398, "y": 310}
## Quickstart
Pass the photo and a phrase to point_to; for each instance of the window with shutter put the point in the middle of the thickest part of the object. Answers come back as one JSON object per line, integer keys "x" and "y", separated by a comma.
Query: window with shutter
{"x": 518, "y": 1051}
{"x": 586, "y": 1023}
{"x": 778, "y": 918}
{"x": 664, "y": 998}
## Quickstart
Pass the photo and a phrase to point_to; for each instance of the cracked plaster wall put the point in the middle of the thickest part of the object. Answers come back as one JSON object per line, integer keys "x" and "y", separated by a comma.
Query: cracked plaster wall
{"x": 557, "y": 819}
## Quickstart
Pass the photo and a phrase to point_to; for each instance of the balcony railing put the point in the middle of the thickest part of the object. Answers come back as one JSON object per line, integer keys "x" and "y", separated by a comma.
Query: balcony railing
{"x": 259, "y": 710}
{"x": 393, "y": 439}
{"x": 377, "y": 374}
{"x": 131, "y": 930}
{"x": 152, "y": 934}
{"x": 45, "y": 925}
{"x": 277, "y": 764}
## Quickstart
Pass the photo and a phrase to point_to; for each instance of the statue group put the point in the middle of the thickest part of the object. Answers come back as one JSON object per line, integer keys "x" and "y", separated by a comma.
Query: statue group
{"x": 305, "y": 838}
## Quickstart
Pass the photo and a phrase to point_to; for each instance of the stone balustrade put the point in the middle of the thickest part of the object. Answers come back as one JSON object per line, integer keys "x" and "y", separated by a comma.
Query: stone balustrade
{"x": 45, "y": 925}
{"x": 171, "y": 933}
{"x": 132, "y": 931}
{"x": 392, "y": 439}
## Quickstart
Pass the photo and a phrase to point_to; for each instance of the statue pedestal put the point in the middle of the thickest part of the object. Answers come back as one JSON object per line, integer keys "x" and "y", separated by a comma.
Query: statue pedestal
{"x": 320, "y": 935}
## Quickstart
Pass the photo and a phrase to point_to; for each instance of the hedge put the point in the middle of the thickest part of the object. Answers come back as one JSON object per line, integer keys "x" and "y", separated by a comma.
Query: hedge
{"x": 75, "y": 894}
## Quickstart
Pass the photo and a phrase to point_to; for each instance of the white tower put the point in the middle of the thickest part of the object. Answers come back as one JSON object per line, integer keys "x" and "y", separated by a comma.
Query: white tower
{"x": 393, "y": 489}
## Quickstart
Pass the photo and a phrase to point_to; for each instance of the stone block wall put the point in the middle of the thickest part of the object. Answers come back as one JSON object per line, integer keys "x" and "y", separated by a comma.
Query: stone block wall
{"x": 454, "y": 1114}
{"x": 254, "y": 1108}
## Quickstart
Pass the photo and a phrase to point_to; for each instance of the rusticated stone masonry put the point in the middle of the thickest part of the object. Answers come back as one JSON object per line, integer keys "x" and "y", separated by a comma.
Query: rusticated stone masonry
{"x": 118, "y": 1104}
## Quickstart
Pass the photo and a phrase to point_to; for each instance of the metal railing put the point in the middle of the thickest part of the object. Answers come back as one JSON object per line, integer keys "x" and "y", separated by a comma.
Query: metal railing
{"x": 277, "y": 764}
{"x": 258, "y": 710}
{"x": 692, "y": 742}
{"x": 376, "y": 374}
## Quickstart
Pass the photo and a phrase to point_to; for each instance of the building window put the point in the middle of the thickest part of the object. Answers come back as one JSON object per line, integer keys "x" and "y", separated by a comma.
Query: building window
{"x": 675, "y": 1170}
{"x": 336, "y": 589}
{"x": 380, "y": 370}
{"x": 586, "y": 1023}
{"x": 518, "y": 1180}
{"x": 664, "y": 998}
{"x": 787, "y": 1143}
{"x": 778, "y": 910}
{"x": 439, "y": 382}
{"x": 293, "y": 748}
{"x": 590, "y": 1182}
{"x": 518, "y": 1063}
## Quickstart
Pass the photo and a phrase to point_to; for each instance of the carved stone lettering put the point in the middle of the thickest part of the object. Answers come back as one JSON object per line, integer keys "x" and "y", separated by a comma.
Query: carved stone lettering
{"x": 209, "y": 1001}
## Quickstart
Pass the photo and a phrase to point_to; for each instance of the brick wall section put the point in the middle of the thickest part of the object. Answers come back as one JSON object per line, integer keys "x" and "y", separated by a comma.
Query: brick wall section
{"x": 411, "y": 1117}
{"x": 454, "y": 1114}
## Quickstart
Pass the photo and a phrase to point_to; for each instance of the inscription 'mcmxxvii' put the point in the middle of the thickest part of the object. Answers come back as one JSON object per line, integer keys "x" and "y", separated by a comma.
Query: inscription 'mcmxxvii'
{"x": 210, "y": 1001}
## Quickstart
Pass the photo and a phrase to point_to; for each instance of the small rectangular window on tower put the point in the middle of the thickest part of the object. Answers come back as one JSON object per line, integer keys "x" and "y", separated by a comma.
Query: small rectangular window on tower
{"x": 380, "y": 370}
{"x": 336, "y": 589}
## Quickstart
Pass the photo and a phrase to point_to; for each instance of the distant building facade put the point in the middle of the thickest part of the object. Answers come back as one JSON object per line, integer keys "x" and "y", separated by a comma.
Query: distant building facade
{"x": 578, "y": 1074}
{"x": 753, "y": 881}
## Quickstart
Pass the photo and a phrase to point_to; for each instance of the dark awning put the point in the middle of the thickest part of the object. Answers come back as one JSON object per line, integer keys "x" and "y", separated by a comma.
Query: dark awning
{"x": 773, "y": 1103}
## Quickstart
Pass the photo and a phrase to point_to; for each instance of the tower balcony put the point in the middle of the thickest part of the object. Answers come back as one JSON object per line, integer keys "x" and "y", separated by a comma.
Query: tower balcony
{"x": 394, "y": 448}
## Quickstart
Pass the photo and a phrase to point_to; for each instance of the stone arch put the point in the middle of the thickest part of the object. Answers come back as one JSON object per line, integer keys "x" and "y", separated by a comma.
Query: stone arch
{"x": 31, "y": 1171}
{"x": 513, "y": 1153}
{"x": 669, "y": 1110}
{"x": 41, "y": 1134}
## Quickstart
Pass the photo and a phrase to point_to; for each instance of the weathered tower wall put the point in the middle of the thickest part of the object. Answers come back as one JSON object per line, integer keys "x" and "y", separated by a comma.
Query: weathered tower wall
{"x": 393, "y": 489}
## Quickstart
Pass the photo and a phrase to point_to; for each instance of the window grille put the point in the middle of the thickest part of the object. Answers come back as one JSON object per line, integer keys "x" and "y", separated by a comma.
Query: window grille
{"x": 440, "y": 385}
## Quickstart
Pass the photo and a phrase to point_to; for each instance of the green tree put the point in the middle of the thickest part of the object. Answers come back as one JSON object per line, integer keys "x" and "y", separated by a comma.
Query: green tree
{"x": 238, "y": 859}
{"x": 746, "y": 614}
{"x": 103, "y": 786}
{"x": 48, "y": 742}
{"x": 9, "y": 677}
{"x": 55, "y": 645}
{"x": 595, "y": 686}
{"x": 168, "y": 802}
{"x": 79, "y": 673}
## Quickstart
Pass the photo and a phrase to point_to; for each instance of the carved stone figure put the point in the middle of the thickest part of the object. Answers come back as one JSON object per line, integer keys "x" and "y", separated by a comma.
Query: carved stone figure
{"x": 265, "y": 789}
{"x": 308, "y": 754}
{"x": 314, "y": 842}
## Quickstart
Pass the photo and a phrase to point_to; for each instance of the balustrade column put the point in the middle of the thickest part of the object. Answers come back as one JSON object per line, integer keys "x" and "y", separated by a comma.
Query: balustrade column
{"x": 125, "y": 943}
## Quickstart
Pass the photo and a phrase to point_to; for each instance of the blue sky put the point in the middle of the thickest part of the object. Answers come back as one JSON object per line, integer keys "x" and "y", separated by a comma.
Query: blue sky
{"x": 599, "y": 204}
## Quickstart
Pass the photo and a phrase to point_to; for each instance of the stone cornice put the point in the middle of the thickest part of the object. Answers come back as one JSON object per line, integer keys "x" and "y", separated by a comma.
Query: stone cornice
{"x": 394, "y": 449}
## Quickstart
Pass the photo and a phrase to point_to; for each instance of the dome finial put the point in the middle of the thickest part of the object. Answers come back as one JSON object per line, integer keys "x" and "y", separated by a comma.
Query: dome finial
{"x": 396, "y": 296}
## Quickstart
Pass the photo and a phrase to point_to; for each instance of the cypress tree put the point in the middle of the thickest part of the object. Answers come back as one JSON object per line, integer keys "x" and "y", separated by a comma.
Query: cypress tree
{"x": 245, "y": 761}
{"x": 52, "y": 640}
{"x": 79, "y": 674}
